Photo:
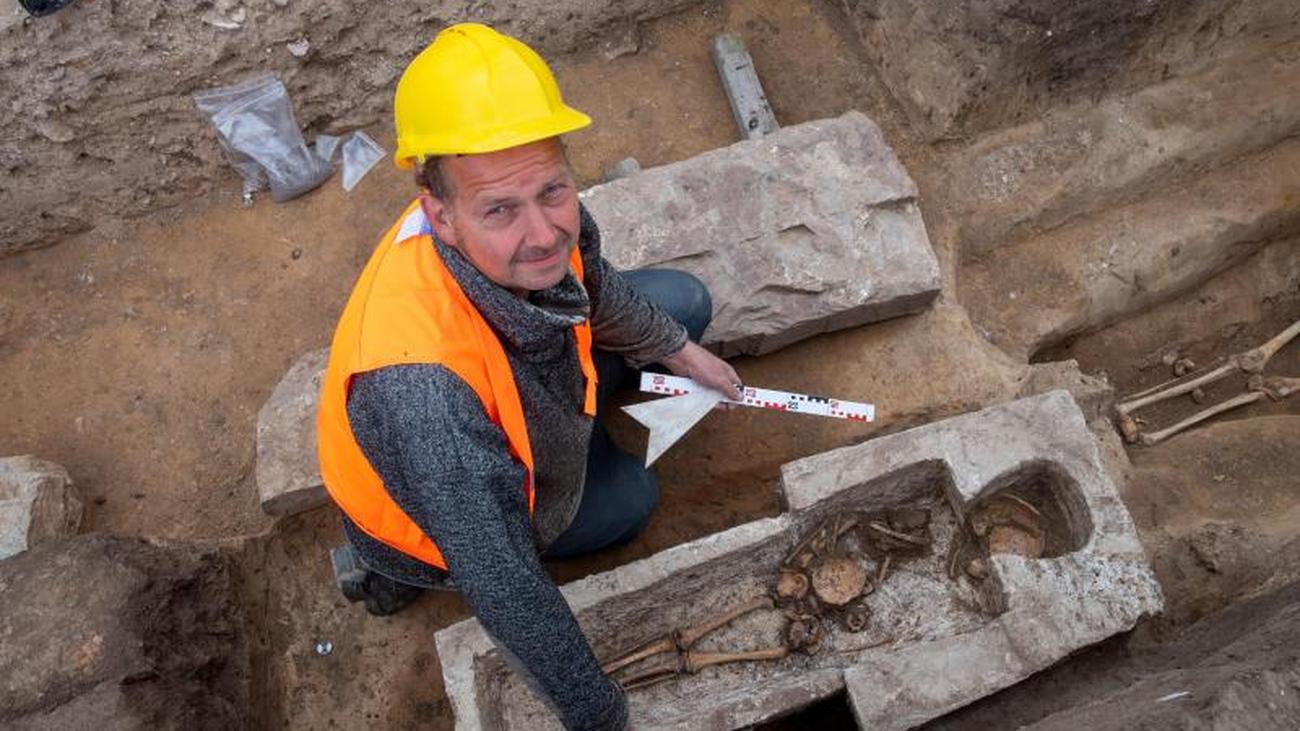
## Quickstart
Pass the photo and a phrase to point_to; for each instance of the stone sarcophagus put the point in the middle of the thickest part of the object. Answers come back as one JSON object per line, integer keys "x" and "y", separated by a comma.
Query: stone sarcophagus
{"x": 970, "y": 553}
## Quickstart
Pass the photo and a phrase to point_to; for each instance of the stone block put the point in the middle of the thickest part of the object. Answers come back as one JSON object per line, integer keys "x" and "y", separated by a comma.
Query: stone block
{"x": 38, "y": 502}
{"x": 933, "y": 642}
{"x": 1095, "y": 396}
{"x": 288, "y": 473}
{"x": 120, "y": 633}
{"x": 811, "y": 229}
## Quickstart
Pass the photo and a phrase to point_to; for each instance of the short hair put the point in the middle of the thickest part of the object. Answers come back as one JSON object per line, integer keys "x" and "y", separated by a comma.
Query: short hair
{"x": 432, "y": 176}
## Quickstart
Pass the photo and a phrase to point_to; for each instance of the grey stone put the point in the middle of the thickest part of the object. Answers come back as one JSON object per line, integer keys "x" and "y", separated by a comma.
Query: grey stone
{"x": 623, "y": 40}
{"x": 753, "y": 115}
{"x": 623, "y": 168}
{"x": 811, "y": 229}
{"x": 932, "y": 645}
{"x": 1095, "y": 396}
{"x": 38, "y": 502}
{"x": 120, "y": 633}
{"x": 288, "y": 472}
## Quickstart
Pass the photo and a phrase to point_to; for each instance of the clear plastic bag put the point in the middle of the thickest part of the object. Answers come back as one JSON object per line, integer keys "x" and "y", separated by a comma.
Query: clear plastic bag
{"x": 360, "y": 153}
{"x": 255, "y": 124}
{"x": 211, "y": 101}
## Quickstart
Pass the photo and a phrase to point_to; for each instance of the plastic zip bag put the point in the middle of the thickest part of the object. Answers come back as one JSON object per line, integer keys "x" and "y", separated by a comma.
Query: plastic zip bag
{"x": 360, "y": 153}
{"x": 211, "y": 101}
{"x": 256, "y": 127}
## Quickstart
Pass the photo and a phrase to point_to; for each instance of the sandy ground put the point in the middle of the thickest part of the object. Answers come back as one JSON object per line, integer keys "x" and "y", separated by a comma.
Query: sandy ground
{"x": 138, "y": 355}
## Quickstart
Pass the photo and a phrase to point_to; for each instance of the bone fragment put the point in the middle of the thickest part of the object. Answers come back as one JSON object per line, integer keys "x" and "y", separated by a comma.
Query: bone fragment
{"x": 1232, "y": 403}
{"x": 884, "y": 568}
{"x": 1251, "y": 361}
{"x": 792, "y": 585}
{"x": 887, "y": 531}
{"x": 697, "y": 661}
{"x": 1277, "y": 388}
{"x": 689, "y": 636}
{"x": 1024, "y": 504}
{"x": 650, "y": 678}
{"x": 659, "y": 646}
{"x": 1170, "y": 389}
{"x": 955, "y": 550}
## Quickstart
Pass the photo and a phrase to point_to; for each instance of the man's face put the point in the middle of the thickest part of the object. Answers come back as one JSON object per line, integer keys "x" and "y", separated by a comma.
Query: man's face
{"x": 513, "y": 214}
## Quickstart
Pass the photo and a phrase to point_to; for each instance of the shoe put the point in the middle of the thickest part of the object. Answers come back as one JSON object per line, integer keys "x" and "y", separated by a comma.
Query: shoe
{"x": 348, "y": 573}
{"x": 381, "y": 595}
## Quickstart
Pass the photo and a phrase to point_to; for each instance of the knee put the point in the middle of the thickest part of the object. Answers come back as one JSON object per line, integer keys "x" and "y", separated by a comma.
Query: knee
{"x": 696, "y": 305}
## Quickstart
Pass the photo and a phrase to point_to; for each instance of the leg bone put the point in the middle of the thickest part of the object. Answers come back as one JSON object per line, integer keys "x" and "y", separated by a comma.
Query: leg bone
{"x": 1198, "y": 417}
{"x": 697, "y": 661}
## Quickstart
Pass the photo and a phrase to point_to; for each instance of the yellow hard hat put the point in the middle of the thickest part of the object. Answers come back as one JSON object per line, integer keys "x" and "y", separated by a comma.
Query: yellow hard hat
{"x": 475, "y": 90}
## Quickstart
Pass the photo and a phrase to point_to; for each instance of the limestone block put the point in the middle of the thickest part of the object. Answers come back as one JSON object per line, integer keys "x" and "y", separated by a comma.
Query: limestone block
{"x": 38, "y": 502}
{"x": 1095, "y": 396}
{"x": 933, "y": 642}
{"x": 1053, "y": 605}
{"x": 288, "y": 473}
{"x": 811, "y": 229}
{"x": 102, "y": 632}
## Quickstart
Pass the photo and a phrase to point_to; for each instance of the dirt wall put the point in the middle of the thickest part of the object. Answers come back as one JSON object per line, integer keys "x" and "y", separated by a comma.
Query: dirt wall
{"x": 98, "y": 120}
{"x": 973, "y": 65}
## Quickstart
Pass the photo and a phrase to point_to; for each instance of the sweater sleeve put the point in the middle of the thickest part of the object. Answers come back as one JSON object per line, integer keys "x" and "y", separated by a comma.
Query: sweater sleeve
{"x": 446, "y": 464}
{"x": 623, "y": 321}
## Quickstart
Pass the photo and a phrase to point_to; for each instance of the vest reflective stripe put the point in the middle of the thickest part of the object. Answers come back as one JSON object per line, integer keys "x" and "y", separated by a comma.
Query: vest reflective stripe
{"x": 407, "y": 308}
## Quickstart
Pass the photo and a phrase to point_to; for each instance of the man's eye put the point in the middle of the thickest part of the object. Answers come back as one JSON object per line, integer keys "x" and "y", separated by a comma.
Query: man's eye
{"x": 497, "y": 211}
{"x": 553, "y": 191}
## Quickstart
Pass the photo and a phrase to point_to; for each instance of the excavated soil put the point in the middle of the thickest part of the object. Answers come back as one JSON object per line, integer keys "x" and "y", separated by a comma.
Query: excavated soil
{"x": 138, "y": 354}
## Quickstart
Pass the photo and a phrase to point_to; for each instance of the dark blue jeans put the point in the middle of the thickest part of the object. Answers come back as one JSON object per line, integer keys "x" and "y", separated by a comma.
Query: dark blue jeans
{"x": 620, "y": 493}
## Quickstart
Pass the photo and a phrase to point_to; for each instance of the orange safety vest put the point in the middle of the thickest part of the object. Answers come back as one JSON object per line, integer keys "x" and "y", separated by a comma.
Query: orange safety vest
{"x": 407, "y": 308}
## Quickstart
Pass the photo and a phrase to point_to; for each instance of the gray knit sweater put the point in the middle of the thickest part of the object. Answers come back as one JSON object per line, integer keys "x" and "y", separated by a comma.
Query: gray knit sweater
{"x": 447, "y": 466}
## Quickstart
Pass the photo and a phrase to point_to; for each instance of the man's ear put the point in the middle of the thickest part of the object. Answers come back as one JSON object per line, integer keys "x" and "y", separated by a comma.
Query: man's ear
{"x": 439, "y": 215}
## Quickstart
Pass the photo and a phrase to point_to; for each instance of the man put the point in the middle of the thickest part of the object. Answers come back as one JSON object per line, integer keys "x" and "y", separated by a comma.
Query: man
{"x": 460, "y": 421}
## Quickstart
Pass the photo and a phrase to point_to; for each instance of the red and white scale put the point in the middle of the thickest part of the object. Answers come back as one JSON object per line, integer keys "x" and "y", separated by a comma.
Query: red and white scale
{"x": 669, "y": 419}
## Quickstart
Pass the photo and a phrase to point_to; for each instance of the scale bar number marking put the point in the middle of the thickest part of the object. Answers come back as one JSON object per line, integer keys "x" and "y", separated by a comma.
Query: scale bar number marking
{"x": 767, "y": 398}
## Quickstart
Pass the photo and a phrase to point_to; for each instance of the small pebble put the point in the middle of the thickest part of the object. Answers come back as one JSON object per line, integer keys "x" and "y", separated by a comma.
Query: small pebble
{"x": 1183, "y": 366}
{"x": 324, "y": 647}
{"x": 1198, "y": 395}
{"x": 976, "y": 569}
{"x": 296, "y": 254}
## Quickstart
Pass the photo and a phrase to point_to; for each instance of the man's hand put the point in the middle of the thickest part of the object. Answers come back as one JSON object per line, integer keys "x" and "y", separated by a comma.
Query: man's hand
{"x": 706, "y": 369}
